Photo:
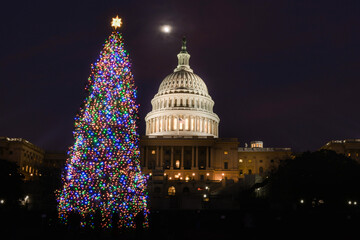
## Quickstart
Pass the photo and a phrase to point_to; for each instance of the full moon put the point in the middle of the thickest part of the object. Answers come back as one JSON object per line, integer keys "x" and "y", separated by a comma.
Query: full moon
{"x": 166, "y": 28}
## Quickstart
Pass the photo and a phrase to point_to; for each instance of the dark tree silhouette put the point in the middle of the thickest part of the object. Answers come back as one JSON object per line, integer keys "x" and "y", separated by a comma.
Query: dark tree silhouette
{"x": 11, "y": 183}
{"x": 322, "y": 177}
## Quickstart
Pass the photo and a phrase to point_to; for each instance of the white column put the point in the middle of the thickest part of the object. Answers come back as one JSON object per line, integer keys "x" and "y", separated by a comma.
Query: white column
{"x": 198, "y": 124}
{"x": 161, "y": 123}
{"x": 152, "y": 125}
{"x": 156, "y": 124}
{"x": 169, "y": 123}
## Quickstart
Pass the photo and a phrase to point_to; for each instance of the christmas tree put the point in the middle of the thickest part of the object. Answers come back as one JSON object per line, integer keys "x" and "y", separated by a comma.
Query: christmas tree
{"x": 102, "y": 182}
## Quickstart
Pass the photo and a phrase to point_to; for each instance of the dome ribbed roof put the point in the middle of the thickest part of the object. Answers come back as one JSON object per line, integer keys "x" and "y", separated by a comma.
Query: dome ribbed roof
{"x": 183, "y": 81}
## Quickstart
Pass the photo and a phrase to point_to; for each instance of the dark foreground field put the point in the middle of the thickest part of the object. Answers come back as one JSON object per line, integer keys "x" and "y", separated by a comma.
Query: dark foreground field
{"x": 196, "y": 224}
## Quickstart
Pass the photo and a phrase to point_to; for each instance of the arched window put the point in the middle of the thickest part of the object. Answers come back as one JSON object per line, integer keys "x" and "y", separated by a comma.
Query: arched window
{"x": 177, "y": 164}
{"x": 171, "y": 191}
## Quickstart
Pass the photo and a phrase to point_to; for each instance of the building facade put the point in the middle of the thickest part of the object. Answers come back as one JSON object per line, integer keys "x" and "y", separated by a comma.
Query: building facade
{"x": 26, "y": 155}
{"x": 182, "y": 151}
{"x": 259, "y": 160}
{"x": 200, "y": 159}
{"x": 348, "y": 147}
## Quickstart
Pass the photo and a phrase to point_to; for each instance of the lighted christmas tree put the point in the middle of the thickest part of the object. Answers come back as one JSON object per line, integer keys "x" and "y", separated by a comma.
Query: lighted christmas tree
{"x": 102, "y": 181}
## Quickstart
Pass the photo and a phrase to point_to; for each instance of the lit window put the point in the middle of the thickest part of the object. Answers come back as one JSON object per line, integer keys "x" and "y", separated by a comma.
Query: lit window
{"x": 181, "y": 122}
{"x": 349, "y": 154}
{"x": 175, "y": 123}
{"x": 171, "y": 191}
{"x": 240, "y": 160}
{"x": 226, "y": 152}
{"x": 153, "y": 152}
{"x": 177, "y": 164}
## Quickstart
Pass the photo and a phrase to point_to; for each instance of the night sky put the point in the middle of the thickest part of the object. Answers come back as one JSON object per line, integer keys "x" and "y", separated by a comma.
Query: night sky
{"x": 284, "y": 72}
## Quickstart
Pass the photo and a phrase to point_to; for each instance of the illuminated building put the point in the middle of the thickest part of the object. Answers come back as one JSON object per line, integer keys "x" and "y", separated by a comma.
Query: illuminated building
{"x": 348, "y": 147}
{"x": 182, "y": 151}
{"x": 182, "y": 106}
{"x": 26, "y": 155}
{"x": 259, "y": 160}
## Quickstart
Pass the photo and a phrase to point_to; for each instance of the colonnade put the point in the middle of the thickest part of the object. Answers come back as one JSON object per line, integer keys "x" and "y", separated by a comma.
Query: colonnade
{"x": 204, "y": 104}
{"x": 158, "y": 153}
{"x": 163, "y": 124}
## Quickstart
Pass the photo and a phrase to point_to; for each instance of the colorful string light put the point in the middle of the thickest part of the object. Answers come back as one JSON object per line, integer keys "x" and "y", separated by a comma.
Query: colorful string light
{"x": 102, "y": 181}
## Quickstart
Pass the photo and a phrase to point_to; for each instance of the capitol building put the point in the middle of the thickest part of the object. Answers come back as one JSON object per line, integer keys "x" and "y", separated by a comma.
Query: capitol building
{"x": 182, "y": 150}
{"x": 182, "y": 106}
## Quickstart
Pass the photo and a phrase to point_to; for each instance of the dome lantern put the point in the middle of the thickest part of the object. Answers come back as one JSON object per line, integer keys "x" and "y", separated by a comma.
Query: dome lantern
{"x": 183, "y": 58}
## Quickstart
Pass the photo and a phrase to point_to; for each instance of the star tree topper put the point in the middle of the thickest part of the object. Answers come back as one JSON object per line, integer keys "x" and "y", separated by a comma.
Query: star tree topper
{"x": 116, "y": 22}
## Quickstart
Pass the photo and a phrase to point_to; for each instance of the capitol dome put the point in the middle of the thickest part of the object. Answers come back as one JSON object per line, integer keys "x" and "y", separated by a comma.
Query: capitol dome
{"x": 182, "y": 106}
